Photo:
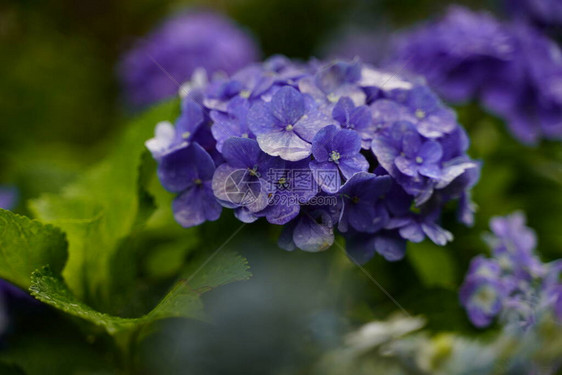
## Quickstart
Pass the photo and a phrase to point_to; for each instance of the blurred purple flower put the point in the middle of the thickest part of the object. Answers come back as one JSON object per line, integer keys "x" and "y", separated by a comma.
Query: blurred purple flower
{"x": 361, "y": 247}
{"x": 415, "y": 227}
{"x": 514, "y": 244}
{"x": 8, "y": 197}
{"x": 371, "y": 46}
{"x": 528, "y": 91}
{"x": 513, "y": 69}
{"x": 179, "y": 46}
{"x": 514, "y": 284}
{"x": 311, "y": 231}
{"x": 458, "y": 53}
{"x": 482, "y": 299}
{"x": 540, "y": 12}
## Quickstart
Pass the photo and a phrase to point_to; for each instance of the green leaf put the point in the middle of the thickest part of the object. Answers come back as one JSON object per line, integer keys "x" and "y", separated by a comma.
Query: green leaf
{"x": 182, "y": 301}
{"x": 102, "y": 208}
{"x": 51, "y": 289}
{"x": 434, "y": 264}
{"x": 26, "y": 245}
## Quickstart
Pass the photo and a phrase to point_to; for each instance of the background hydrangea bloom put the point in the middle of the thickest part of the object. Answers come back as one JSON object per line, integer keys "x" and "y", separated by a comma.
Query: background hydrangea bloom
{"x": 513, "y": 69}
{"x": 514, "y": 284}
{"x": 371, "y": 45}
{"x": 317, "y": 147}
{"x": 180, "y": 46}
{"x": 540, "y": 12}
{"x": 8, "y": 197}
{"x": 458, "y": 53}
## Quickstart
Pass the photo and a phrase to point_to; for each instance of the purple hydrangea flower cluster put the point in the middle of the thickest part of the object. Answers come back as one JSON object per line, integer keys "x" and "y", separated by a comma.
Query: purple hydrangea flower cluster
{"x": 512, "y": 69}
{"x": 514, "y": 284}
{"x": 167, "y": 57}
{"x": 316, "y": 147}
{"x": 540, "y": 12}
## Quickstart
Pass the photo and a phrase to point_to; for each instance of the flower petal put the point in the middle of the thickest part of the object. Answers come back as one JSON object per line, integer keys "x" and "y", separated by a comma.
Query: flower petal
{"x": 309, "y": 235}
{"x": 391, "y": 246}
{"x": 286, "y": 144}
{"x": 241, "y": 152}
{"x": 353, "y": 165}
{"x": 407, "y": 166}
{"x": 287, "y": 105}
{"x": 181, "y": 168}
{"x": 431, "y": 152}
{"x": 196, "y": 205}
{"x": 327, "y": 176}
{"x": 322, "y": 143}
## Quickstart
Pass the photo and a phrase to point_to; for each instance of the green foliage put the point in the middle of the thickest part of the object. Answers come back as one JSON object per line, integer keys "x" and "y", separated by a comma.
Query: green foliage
{"x": 102, "y": 208}
{"x": 25, "y": 245}
{"x": 183, "y": 301}
{"x": 51, "y": 289}
{"x": 117, "y": 252}
{"x": 104, "y": 215}
{"x": 434, "y": 264}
